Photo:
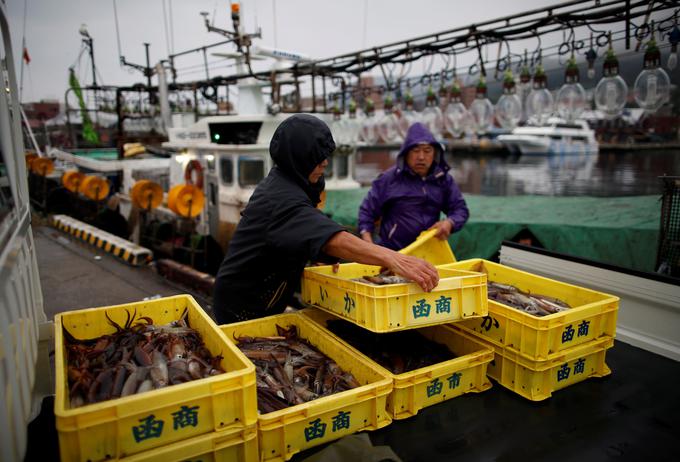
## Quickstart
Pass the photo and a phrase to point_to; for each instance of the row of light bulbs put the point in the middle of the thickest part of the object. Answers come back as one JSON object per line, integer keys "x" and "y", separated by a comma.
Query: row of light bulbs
{"x": 535, "y": 102}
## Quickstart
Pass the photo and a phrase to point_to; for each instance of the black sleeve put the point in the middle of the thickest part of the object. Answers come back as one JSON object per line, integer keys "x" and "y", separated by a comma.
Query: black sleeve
{"x": 301, "y": 231}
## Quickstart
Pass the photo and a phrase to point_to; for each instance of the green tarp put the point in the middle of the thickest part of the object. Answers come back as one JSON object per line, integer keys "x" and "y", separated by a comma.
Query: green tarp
{"x": 622, "y": 231}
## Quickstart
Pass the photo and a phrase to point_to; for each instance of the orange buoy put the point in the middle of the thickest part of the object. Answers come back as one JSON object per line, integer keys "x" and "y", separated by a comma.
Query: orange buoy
{"x": 30, "y": 157}
{"x": 322, "y": 201}
{"x": 172, "y": 196}
{"x": 186, "y": 200}
{"x": 94, "y": 187}
{"x": 42, "y": 166}
{"x": 146, "y": 194}
{"x": 72, "y": 179}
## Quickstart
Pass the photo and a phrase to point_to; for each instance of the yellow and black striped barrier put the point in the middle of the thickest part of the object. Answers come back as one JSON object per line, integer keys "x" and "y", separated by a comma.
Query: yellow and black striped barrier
{"x": 116, "y": 246}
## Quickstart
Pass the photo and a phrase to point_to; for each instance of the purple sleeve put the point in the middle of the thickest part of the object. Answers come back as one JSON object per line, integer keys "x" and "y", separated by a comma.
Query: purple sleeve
{"x": 456, "y": 208}
{"x": 370, "y": 209}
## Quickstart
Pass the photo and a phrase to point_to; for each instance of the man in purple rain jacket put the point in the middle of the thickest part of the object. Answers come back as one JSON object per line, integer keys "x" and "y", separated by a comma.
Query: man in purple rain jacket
{"x": 409, "y": 197}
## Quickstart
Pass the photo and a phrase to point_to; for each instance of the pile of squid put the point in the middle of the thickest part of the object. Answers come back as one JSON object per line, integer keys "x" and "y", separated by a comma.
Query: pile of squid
{"x": 383, "y": 278}
{"x": 289, "y": 371}
{"x": 534, "y": 304}
{"x": 398, "y": 352}
{"x": 140, "y": 356}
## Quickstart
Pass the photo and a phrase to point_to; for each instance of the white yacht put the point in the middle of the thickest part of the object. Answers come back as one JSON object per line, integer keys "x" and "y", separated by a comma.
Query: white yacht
{"x": 555, "y": 137}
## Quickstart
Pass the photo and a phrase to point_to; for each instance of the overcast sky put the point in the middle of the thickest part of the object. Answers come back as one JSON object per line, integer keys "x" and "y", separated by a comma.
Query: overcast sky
{"x": 318, "y": 28}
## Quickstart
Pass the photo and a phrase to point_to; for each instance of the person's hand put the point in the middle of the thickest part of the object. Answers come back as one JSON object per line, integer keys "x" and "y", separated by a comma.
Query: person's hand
{"x": 366, "y": 236}
{"x": 336, "y": 266}
{"x": 415, "y": 269}
{"x": 444, "y": 228}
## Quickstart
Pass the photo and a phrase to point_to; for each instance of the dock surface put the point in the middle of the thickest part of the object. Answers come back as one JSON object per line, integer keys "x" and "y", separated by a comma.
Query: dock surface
{"x": 75, "y": 275}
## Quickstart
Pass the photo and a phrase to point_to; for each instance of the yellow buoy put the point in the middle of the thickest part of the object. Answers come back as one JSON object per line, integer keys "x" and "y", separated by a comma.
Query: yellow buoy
{"x": 72, "y": 179}
{"x": 42, "y": 166}
{"x": 133, "y": 149}
{"x": 186, "y": 200}
{"x": 94, "y": 187}
{"x": 146, "y": 194}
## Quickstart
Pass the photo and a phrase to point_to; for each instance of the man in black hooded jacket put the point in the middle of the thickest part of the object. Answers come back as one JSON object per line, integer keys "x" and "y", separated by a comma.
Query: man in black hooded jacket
{"x": 281, "y": 230}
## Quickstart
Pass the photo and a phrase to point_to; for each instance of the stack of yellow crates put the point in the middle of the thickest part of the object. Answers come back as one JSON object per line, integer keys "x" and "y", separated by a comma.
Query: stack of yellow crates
{"x": 285, "y": 432}
{"x": 536, "y": 356}
{"x": 211, "y": 419}
{"x": 461, "y": 294}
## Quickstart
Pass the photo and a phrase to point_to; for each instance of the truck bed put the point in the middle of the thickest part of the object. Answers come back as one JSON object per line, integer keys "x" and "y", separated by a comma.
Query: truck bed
{"x": 632, "y": 415}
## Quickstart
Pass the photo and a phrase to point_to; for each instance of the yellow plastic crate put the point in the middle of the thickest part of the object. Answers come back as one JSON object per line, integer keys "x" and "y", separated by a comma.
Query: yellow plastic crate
{"x": 125, "y": 426}
{"x": 420, "y": 388}
{"x": 393, "y": 307}
{"x": 537, "y": 380}
{"x": 238, "y": 445}
{"x": 288, "y": 431}
{"x": 431, "y": 249}
{"x": 592, "y": 316}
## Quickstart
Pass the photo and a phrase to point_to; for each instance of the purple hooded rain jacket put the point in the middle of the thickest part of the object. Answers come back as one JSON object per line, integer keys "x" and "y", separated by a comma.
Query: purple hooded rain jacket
{"x": 408, "y": 204}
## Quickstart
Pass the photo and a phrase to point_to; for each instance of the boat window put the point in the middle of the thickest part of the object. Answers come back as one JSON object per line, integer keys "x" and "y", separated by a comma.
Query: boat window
{"x": 210, "y": 160}
{"x": 342, "y": 164}
{"x": 6, "y": 198}
{"x": 567, "y": 126}
{"x": 227, "y": 170}
{"x": 555, "y": 137}
{"x": 235, "y": 132}
{"x": 250, "y": 171}
{"x": 578, "y": 138}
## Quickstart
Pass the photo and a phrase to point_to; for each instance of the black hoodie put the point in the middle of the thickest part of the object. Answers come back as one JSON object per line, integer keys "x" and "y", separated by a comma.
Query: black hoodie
{"x": 280, "y": 229}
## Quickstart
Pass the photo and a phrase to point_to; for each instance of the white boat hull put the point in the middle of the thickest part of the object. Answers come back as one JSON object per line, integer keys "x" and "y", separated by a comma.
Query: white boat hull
{"x": 554, "y": 138}
{"x": 546, "y": 146}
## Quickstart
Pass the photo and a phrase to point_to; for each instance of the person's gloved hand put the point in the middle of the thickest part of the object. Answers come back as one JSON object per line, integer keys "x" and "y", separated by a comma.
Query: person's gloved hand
{"x": 444, "y": 228}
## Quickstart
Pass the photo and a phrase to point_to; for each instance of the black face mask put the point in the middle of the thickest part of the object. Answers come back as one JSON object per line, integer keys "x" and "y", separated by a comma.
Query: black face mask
{"x": 299, "y": 144}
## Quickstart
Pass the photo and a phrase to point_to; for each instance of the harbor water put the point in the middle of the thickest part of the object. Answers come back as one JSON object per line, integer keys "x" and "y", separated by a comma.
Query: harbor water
{"x": 606, "y": 174}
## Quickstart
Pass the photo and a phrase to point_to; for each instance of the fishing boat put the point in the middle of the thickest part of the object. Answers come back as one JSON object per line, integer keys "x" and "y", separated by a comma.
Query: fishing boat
{"x": 554, "y": 137}
{"x": 227, "y": 156}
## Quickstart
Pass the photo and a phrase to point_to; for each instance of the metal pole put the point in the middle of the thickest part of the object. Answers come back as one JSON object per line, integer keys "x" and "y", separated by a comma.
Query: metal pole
{"x": 313, "y": 91}
{"x": 147, "y": 71}
{"x": 205, "y": 63}
{"x": 119, "y": 111}
{"x": 121, "y": 139}
{"x": 90, "y": 43}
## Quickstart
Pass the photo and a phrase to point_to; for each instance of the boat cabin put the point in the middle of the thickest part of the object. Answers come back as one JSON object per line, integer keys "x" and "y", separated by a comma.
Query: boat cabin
{"x": 232, "y": 154}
